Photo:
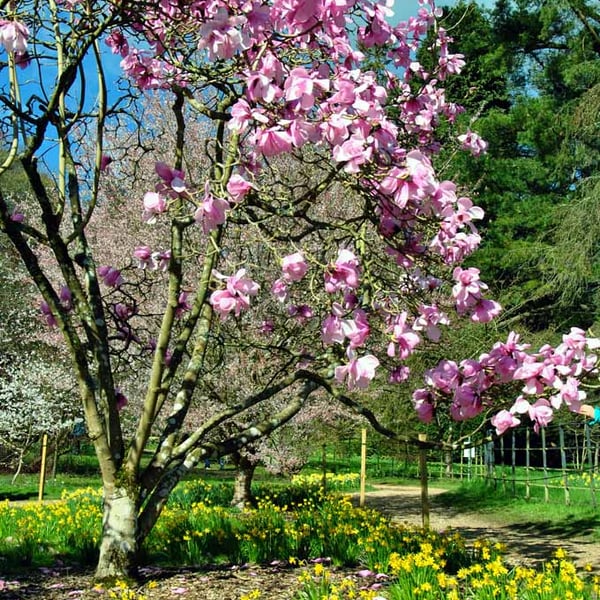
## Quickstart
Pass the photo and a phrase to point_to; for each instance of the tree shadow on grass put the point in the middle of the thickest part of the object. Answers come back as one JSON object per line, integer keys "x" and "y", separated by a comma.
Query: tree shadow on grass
{"x": 19, "y": 496}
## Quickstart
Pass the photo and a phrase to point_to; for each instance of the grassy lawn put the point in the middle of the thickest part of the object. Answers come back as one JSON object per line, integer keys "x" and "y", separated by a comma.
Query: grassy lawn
{"x": 500, "y": 501}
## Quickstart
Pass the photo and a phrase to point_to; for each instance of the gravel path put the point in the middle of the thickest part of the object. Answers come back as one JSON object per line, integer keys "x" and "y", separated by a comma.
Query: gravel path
{"x": 527, "y": 543}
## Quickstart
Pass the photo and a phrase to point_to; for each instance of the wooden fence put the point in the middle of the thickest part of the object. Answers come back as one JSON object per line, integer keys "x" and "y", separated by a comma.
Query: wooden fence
{"x": 560, "y": 464}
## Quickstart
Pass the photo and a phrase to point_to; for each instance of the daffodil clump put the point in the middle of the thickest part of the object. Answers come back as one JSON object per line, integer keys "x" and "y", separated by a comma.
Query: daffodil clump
{"x": 393, "y": 562}
{"x": 33, "y": 533}
{"x": 424, "y": 575}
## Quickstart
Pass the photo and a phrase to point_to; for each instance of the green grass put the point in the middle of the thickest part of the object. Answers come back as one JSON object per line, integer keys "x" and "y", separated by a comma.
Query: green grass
{"x": 532, "y": 514}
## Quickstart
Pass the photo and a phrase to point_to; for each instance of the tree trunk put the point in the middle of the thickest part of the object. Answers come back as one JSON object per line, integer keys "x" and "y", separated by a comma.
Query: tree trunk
{"x": 119, "y": 545}
{"x": 242, "y": 488}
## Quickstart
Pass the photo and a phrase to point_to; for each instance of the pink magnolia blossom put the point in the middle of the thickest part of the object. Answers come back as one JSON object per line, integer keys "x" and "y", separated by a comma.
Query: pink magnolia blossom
{"x": 331, "y": 330}
{"x": 273, "y": 141}
{"x": 423, "y": 404}
{"x": 236, "y": 295}
{"x": 280, "y": 289}
{"x": 117, "y": 42}
{"x": 223, "y": 35}
{"x": 144, "y": 257}
{"x": 13, "y": 36}
{"x": 120, "y": 399}
{"x": 173, "y": 184}
{"x": 358, "y": 373}
{"x": 354, "y": 152}
{"x": 404, "y": 339}
{"x": 154, "y": 205}
{"x": 16, "y": 216}
{"x": 473, "y": 143}
{"x": 357, "y": 329}
{"x": 110, "y": 276}
{"x": 238, "y": 187}
{"x": 105, "y": 161}
{"x": 212, "y": 211}
{"x": 301, "y": 313}
{"x": 504, "y": 420}
{"x": 48, "y": 315}
{"x": 343, "y": 274}
{"x": 429, "y": 320}
{"x": 183, "y": 305}
{"x": 294, "y": 266}
{"x": 540, "y": 412}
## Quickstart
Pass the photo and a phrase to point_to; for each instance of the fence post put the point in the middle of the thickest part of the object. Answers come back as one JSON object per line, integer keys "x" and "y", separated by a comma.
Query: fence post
{"x": 43, "y": 467}
{"x": 502, "y": 463}
{"x": 527, "y": 463}
{"x": 363, "y": 465}
{"x": 563, "y": 464}
{"x": 545, "y": 464}
{"x": 324, "y": 468}
{"x": 588, "y": 443}
{"x": 424, "y": 490}
{"x": 513, "y": 463}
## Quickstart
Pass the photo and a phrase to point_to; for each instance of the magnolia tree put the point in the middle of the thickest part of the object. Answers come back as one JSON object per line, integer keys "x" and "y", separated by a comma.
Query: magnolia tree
{"x": 359, "y": 287}
{"x": 36, "y": 398}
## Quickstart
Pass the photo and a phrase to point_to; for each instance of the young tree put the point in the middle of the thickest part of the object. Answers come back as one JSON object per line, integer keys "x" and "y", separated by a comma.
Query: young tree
{"x": 359, "y": 285}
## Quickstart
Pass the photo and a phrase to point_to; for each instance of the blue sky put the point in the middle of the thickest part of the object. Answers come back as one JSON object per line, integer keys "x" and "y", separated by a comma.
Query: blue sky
{"x": 406, "y": 8}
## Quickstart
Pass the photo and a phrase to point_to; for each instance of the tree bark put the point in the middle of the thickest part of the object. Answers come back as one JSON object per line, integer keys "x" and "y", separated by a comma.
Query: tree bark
{"x": 119, "y": 543}
{"x": 242, "y": 488}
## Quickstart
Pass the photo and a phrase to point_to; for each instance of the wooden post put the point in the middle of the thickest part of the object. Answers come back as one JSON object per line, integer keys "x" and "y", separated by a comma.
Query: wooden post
{"x": 43, "y": 467}
{"x": 363, "y": 465}
{"x": 563, "y": 464}
{"x": 502, "y": 464}
{"x": 513, "y": 463}
{"x": 545, "y": 465}
{"x": 324, "y": 467}
{"x": 423, "y": 474}
{"x": 527, "y": 463}
{"x": 588, "y": 444}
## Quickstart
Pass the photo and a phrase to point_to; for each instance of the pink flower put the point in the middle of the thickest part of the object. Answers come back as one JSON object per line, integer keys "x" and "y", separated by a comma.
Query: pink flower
{"x": 399, "y": 374}
{"x": 238, "y": 187}
{"x": 117, "y": 42}
{"x": 422, "y": 401}
{"x": 301, "y": 313}
{"x": 144, "y": 257}
{"x": 279, "y": 289}
{"x": 16, "y": 216}
{"x": 428, "y": 321}
{"x": 105, "y": 161}
{"x": 236, "y": 296}
{"x": 182, "y": 304}
{"x": 343, "y": 274}
{"x": 353, "y": 152}
{"x": 212, "y": 212}
{"x": 13, "y": 36}
{"x": 331, "y": 330}
{"x": 404, "y": 339}
{"x": 66, "y": 298}
{"x": 358, "y": 372}
{"x": 110, "y": 276}
{"x": 504, "y": 420}
{"x": 120, "y": 399}
{"x": 162, "y": 260}
{"x": 273, "y": 141}
{"x": 473, "y": 143}
{"x": 48, "y": 316}
{"x": 357, "y": 329}
{"x": 294, "y": 266}
{"x": 173, "y": 184}
{"x": 154, "y": 204}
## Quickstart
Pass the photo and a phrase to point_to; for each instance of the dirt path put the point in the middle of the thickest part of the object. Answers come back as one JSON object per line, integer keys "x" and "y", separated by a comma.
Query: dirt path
{"x": 527, "y": 543}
